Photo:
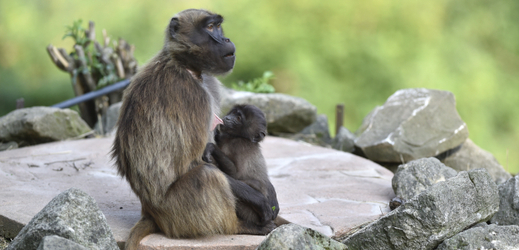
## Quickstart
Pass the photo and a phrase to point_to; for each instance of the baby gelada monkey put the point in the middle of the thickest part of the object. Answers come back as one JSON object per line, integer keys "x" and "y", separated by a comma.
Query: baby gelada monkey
{"x": 237, "y": 153}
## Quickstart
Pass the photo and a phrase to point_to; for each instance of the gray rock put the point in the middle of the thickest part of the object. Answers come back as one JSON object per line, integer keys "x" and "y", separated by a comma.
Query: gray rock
{"x": 344, "y": 140}
{"x": 284, "y": 113}
{"x": 412, "y": 124}
{"x": 109, "y": 120}
{"x": 440, "y": 212}
{"x": 54, "y": 242}
{"x": 508, "y": 213}
{"x": 319, "y": 128}
{"x": 8, "y": 146}
{"x": 416, "y": 176}
{"x": 73, "y": 215}
{"x": 292, "y": 236}
{"x": 317, "y": 133}
{"x": 41, "y": 124}
{"x": 489, "y": 237}
{"x": 470, "y": 156}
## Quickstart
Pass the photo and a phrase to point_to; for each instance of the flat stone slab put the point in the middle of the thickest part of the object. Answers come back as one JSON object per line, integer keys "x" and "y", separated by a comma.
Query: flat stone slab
{"x": 324, "y": 189}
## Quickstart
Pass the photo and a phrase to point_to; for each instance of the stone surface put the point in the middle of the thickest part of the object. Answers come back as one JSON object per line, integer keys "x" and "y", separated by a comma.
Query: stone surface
{"x": 344, "y": 140}
{"x": 109, "y": 120}
{"x": 323, "y": 189}
{"x": 41, "y": 124}
{"x": 412, "y": 124}
{"x": 317, "y": 133}
{"x": 216, "y": 242}
{"x": 73, "y": 215}
{"x": 284, "y": 113}
{"x": 508, "y": 213}
{"x": 54, "y": 242}
{"x": 489, "y": 237}
{"x": 292, "y": 236}
{"x": 470, "y": 156}
{"x": 439, "y": 212}
{"x": 416, "y": 176}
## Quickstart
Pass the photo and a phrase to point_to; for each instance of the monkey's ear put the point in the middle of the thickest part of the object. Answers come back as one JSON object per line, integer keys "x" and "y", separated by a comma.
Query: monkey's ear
{"x": 173, "y": 26}
{"x": 258, "y": 137}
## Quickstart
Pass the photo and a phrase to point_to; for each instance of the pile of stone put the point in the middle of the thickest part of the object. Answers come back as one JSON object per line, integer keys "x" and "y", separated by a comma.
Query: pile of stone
{"x": 31, "y": 126}
{"x": 420, "y": 123}
{"x": 444, "y": 210}
{"x": 451, "y": 193}
{"x": 72, "y": 220}
{"x": 285, "y": 115}
{"x": 412, "y": 124}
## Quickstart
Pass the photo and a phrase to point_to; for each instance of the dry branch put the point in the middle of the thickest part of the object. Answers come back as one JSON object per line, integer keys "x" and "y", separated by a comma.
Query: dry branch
{"x": 92, "y": 68}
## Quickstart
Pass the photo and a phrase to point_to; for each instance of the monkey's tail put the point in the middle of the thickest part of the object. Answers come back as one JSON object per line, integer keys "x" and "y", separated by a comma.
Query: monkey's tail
{"x": 144, "y": 227}
{"x": 280, "y": 221}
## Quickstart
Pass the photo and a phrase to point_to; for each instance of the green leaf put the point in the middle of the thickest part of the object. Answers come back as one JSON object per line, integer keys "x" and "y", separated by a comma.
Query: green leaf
{"x": 256, "y": 85}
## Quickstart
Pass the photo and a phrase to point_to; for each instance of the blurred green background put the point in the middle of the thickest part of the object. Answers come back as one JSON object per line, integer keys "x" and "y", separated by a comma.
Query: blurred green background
{"x": 328, "y": 52}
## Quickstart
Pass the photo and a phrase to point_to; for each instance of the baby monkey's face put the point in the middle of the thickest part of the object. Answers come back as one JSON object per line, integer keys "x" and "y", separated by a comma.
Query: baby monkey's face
{"x": 246, "y": 121}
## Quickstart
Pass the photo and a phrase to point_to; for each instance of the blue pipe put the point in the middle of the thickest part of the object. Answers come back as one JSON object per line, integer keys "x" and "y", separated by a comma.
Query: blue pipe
{"x": 91, "y": 95}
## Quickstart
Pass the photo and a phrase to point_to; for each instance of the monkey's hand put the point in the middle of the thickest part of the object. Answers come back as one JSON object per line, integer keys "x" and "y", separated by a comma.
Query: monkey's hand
{"x": 209, "y": 149}
{"x": 266, "y": 213}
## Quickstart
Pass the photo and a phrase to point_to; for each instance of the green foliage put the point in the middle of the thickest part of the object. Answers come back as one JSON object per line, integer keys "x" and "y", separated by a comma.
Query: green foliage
{"x": 328, "y": 52}
{"x": 77, "y": 32}
{"x": 256, "y": 85}
{"x": 106, "y": 73}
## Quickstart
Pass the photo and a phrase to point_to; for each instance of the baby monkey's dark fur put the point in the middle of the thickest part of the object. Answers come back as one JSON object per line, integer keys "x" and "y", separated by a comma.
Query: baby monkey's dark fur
{"x": 237, "y": 153}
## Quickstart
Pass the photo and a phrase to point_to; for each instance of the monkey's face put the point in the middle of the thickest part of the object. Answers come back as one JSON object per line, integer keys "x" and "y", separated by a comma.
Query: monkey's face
{"x": 222, "y": 48}
{"x": 246, "y": 121}
{"x": 204, "y": 46}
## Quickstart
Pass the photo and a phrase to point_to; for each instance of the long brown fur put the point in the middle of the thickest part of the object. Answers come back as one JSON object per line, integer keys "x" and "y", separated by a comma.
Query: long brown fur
{"x": 163, "y": 128}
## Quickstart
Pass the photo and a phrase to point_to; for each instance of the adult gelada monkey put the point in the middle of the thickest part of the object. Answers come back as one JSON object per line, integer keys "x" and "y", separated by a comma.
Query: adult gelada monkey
{"x": 237, "y": 153}
{"x": 164, "y": 125}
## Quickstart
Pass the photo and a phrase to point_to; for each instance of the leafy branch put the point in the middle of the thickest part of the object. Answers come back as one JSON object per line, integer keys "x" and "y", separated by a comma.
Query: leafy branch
{"x": 256, "y": 85}
{"x": 93, "y": 65}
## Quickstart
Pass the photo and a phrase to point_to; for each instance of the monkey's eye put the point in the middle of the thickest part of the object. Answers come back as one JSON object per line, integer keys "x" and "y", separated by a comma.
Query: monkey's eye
{"x": 210, "y": 27}
{"x": 218, "y": 26}
{"x": 238, "y": 117}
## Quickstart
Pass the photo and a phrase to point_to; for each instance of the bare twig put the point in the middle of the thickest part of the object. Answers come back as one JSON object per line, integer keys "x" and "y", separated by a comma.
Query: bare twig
{"x": 67, "y": 57}
{"x": 57, "y": 58}
{"x": 53, "y": 153}
{"x": 74, "y": 165}
{"x": 106, "y": 39}
{"x": 78, "y": 159}
{"x": 83, "y": 135}
{"x": 118, "y": 65}
{"x": 89, "y": 81}
{"x": 90, "y": 33}
{"x": 88, "y": 164}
